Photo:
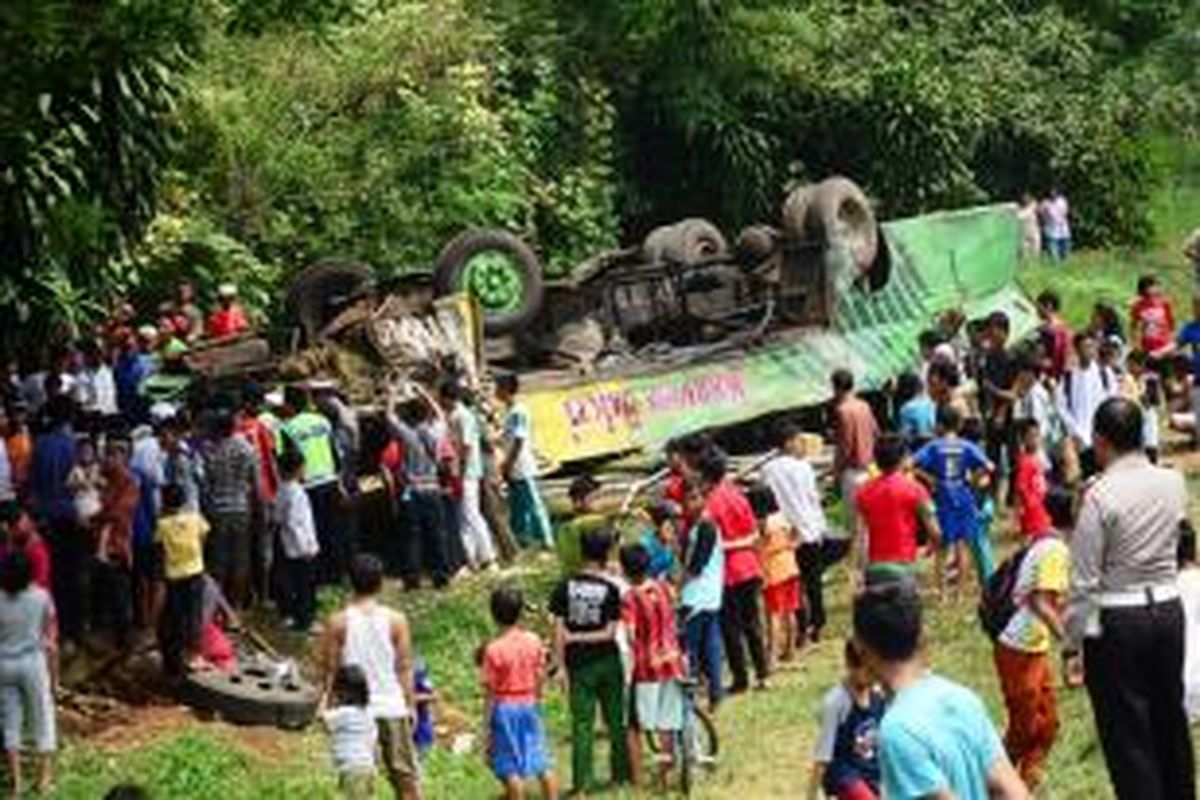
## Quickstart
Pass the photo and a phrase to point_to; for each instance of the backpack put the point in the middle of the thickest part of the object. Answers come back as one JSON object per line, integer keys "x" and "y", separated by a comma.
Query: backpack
{"x": 998, "y": 603}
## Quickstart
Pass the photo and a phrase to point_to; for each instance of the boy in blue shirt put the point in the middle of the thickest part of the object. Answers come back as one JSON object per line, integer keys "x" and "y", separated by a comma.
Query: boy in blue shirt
{"x": 659, "y": 537}
{"x": 936, "y": 739}
{"x": 700, "y": 594}
{"x": 846, "y": 758}
{"x": 949, "y": 464}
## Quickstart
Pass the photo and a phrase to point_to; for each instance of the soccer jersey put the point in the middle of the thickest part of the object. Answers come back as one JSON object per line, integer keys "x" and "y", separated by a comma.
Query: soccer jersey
{"x": 950, "y": 462}
{"x": 648, "y": 612}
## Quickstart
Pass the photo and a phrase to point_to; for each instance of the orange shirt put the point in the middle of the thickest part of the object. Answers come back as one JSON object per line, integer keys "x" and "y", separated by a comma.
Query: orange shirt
{"x": 512, "y": 666}
{"x": 778, "y": 551}
{"x": 263, "y": 442}
{"x": 20, "y": 456}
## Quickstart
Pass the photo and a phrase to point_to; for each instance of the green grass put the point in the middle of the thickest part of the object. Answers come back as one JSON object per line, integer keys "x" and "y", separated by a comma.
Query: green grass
{"x": 766, "y": 737}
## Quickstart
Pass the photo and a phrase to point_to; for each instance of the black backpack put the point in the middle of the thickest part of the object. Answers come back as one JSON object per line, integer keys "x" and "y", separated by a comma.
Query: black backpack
{"x": 998, "y": 604}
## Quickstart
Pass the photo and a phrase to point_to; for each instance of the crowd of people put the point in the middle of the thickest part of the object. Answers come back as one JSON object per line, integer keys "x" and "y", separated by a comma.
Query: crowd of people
{"x": 155, "y": 524}
{"x": 726, "y": 575}
{"x": 127, "y": 522}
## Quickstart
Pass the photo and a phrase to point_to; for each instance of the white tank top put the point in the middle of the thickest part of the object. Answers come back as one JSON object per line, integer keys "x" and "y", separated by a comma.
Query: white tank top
{"x": 369, "y": 646}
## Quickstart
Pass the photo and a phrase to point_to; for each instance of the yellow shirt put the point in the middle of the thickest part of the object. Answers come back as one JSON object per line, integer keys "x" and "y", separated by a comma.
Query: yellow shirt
{"x": 1045, "y": 569}
{"x": 182, "y": 538}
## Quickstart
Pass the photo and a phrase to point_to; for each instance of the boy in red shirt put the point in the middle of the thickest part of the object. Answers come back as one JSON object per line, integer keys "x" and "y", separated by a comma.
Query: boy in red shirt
{"x": 648, "y": 613}
{"x": 1153, "y": 322}
{"x": 513, "y": 671}
{"x": 1030, "y": 481}
{"x": 893, "y": 507}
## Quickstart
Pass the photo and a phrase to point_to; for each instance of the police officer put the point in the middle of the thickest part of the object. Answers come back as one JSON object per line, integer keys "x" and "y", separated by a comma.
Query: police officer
{"x": 311, "y": 434}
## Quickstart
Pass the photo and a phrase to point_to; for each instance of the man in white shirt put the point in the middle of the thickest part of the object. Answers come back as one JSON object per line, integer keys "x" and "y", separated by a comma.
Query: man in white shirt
{"x": 1080, "y": 393}
{"x": 793, "y": 482}
{"x": 377, "y": 639}
{"x": 464, "y": 432}
{"x": 95, "y": 388}
{"x": 1124, "y": 612}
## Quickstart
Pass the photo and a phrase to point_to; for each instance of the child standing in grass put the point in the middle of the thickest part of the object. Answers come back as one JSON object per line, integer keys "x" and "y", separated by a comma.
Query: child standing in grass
{"x": 845, "y": 762}
{"x": 949, "y": 464}
{"x": 1022, "y": 652}
{"x": 1030, "y": 480}
{"x": 181, "y": 534}
{"x": 587, "y": 611}
{"x": 298, "y": 540}
{"x": 352, "y": 733}
{"x": 781, "y": 576}
{"x": 657, "y": 698}
{"x": 513, "y": 672}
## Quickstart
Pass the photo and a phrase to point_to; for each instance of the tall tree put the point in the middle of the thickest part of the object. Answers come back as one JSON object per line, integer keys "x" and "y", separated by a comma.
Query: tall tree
{"x": 85, "y": 129}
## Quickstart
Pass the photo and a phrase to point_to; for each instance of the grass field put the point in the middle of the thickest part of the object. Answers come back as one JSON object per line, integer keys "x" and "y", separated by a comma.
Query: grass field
{"x": 766, "y": 736}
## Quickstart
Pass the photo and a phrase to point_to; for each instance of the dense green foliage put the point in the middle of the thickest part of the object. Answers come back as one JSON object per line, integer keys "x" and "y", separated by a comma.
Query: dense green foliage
{"x": 86, "y": 119}
{"x": 380, "y": 140}
{"x": 239, "y": 138}
{"x": 932, "y": 104}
